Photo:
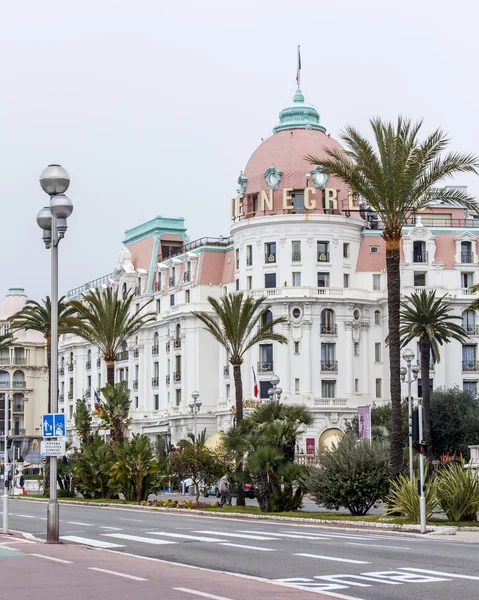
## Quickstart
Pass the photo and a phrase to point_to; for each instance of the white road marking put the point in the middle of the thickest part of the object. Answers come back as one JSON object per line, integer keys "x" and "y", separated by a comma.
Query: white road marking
{"x": 377, "y": 546}
{"x": 134, "y": 520}
{"x": 441, "y": 573}
{"x": 89, "y": 542}
{"x": 238, "y": 535}
{"x": 60, "y": 560}
{"x": 345, "y": 560}
{"x": 247, "y": 547}
{"x": 202, "y": 594}
{"x": 30, "y": 517}
{"x": 78, "y": 523}
{"x": 134, "y": 577}
{"x": 287, "y": 535}
{"x": 137, "y": 538}
{"x": 341, "y": 536}
{"x": 111, "y": 528}
{"x": 198, "y": 538}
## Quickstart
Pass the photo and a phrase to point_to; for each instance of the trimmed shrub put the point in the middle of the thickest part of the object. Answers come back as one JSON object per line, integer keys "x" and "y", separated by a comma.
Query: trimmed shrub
{"x": 353, "y": 474}
{"x": 458, "y": 492}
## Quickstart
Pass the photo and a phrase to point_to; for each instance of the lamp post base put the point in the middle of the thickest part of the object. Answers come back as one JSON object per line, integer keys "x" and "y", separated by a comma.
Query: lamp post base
{"x": 5, "y": 513}
{"x": 53, "y": 522}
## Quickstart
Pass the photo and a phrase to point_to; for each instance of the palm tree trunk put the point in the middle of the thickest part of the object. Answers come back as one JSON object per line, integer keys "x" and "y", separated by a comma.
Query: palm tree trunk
{"x": 394, "y": 303}
{"x": 110, "y": 372}
{"x": 426, "y": 392}
{"x": 240, "y": 500}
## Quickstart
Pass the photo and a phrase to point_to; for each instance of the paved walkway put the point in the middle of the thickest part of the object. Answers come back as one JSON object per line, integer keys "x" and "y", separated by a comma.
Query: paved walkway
{"x": 48, "y": 572}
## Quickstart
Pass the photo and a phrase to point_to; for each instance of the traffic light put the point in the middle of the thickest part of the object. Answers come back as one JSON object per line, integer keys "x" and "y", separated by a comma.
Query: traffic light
{"x": 415, "y": 427}
{"x": 422, "y": 448}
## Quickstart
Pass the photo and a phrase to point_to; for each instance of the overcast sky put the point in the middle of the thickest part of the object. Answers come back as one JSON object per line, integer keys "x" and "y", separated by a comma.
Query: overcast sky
{"x": 154, "y": 107}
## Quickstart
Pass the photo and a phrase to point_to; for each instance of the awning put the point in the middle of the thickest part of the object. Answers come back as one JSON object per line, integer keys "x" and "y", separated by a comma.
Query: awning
{"x": 215, "y": 441}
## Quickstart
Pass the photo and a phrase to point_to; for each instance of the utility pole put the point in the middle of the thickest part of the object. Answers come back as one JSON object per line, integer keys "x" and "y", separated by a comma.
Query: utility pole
{"x": 5, "y": 463}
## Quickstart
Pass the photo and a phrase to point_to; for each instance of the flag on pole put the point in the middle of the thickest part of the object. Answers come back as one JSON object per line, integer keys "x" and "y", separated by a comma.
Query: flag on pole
{"x": 255, "y": 384}
{"x": 298, "y": 72}
{"x": 364, "y": 422}
{"x": 96, "y": 400}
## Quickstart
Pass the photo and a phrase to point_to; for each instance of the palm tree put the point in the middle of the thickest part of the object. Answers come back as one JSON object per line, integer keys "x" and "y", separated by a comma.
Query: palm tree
{"x": 6, "y": 340}
{"x": 237, "y": 324}
{"x": 428, "y": 318}
{"x": 395, "y": 179}
{"x": 37, "y": 317}
{"x": 113, "y": 411}
{"x": 103, "y": 319}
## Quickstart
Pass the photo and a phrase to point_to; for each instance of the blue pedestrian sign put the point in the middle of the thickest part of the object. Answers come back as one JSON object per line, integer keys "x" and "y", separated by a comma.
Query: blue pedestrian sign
{"x": 54, "y": 425}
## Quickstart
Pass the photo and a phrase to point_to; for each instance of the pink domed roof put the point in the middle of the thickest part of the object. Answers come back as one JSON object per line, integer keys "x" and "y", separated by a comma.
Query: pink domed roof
{"x": 13, "y": 302}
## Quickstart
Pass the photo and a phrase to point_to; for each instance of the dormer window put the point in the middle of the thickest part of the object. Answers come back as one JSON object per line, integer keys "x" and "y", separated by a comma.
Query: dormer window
{"x": 419, "y": 252}
{"x": 466, "y": 252}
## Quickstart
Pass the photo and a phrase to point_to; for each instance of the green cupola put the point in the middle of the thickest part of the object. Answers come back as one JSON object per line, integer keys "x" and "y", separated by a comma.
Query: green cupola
{"x": 299, "y": 116}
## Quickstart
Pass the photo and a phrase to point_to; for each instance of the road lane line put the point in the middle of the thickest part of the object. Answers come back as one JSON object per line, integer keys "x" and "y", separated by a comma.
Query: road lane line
{"x": 60, "y": 560}
{"x": 345, "y": 560}
{"x": 440, "y": 573}
{"x": 78, "y": 523}
{"x": 183, "y": 536}
{"x": 202, "y": 594}
{"x": 134, "y": 520}
{"x": 377, "y": 546}
{"x": 89, "y": 542}
{"x": 137, "y": 538}
{"x": 287, "y": 535}
{"x": 111, "y": 528}
{"x": 247, "y": 547}
{"x": 134, "y": 577}
{"x": 238, "y": 535}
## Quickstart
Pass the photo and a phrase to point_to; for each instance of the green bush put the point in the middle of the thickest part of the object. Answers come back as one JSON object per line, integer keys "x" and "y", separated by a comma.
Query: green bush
{"x": 353, "y": 474}
{"x": 458, "y": 492}
{"x": 403, "y": 497}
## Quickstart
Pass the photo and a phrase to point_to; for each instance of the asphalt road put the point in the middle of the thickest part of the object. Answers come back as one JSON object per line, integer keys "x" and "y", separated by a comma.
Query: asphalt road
{"x": 364, "y": 565}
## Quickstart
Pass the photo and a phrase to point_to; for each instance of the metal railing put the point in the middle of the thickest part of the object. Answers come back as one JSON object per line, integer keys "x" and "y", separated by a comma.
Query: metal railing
{"x": 329, "y": 366}
{"x": 155, "y": 382}
{"x": 270, "y": 258}
{"x": 187, "y": 276}
{"x": 296, "y": 257}
{"x": 19, "y": 360}
{"x": 171, "y": 281}
{"x": 19, "y": 385}
{"x": 420, "y": 257}
{"x": 4, "y": 384}
{"x": 467, "y": 257}
{"x": 88, "y": 365}
{"x": 62, "y": 371}
{"x": 155, "y": 350}
{"x": 265, "y": 367}
{"x": 137, "y": 291}
{"x": 135, "y": 384}
{"x": 136, "y": 353}
{"x": 18, "y": 407}
{"x": 167, "y": 346}
{"x": 249, "y": 261}
{"x": 177, "y": 376}
{"x": 204, "y": 241}
{"x": 323, "y": 256}
{"x": 471, "y": 329}
{"x": 122, "y": 356}
{"x": 329, "y": 329}
{"x": 70, "y": 395}
{"x": 226, "y": 371}
{"x": 157, "y": 287}
{"x": 470, "y": 365}
{"x": 70, "y": 367}
{"x": 4, "y": 360}
{"x": 167, "y": 379}
{"x": 177, "y": 343}
{"x": 95, "y": 283}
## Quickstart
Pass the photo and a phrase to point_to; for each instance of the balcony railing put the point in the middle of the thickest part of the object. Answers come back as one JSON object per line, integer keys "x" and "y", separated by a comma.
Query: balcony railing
{"x": 172, "y": 282}
{"x": 4, "y": 360}
{"x": 323, "y": 256}
{"x": 467, "y": 257}
{"x": 158, "y": 286}
{"x": 135, "y": 384}
{"x": 329, "y": 329}
{"x": 19, "y": 385}
{"x": 186, "y": 276}
{"x": 167, "y": 379}
{"x": 70, "y": 367}
{"x": 70, "y": 395}
{"x": 98, "y": 362}
{"x": 19, "y": 360}
{"x": 420, "y": 257}
{"x": 137, "y": 291}
{"x": 329, "y": 366}
{"x": 122, "y": 356}
{"x": 155, "y": 382}
{"x": 155, "y": 350}
{"x": 270, "y": 258}
{"x": 177, "y": 376}
{"x": 19, "y": 407}
{"x": 88, "y": 365}
{"x": 136, "y": 352}
{"x": 249, "y": 261}
{"x": 470, "y": 365}
{"x": 62, "y": 371}
{"x": 19, "y": 432}
{"x": 265, "y": 367}
{"x": 177, "y": 343}
{"x": 471, "y": 329}
{"x": 226, "y": 371}
{"x": 4, "y": 384}
{"x": 296, "y": 257}
{"x": 167, "y": 346}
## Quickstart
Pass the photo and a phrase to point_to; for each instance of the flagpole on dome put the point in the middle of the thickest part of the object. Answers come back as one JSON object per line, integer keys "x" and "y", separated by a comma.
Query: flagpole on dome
{"x": 298, "y": 70}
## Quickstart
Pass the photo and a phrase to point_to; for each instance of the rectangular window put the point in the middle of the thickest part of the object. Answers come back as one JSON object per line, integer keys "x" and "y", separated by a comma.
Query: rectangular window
{"x": 328, "y": 389}
{"x": 328, "y": 357}
{"x": 297, "y": 200}
{"x": 88, "y": 379}
{"x": 469, "y": 357}
{"x": 467, "y": 280}
{"x": 297, "y": 279}
{"x": 158, "y": 307}
{"x": 237, "y": 284}
{"x": 71, "y": 384}
{"x": 296, "y": 251}
{"x": 356, "y": 386}
{"x": 296, "y": 386}
{"x": 323, "y": 251}
{"x": 157, "y": 402}
{"x": 263, "y": 389}
{"x": 419, "y": 254}
{"x": 419, "y": 387}
{"x": 158, "y": 282}
{"x": 270, "y": 280}
{"x": 270, "y": 252}
{"x": 377, "y": 352}
{"x": 122, "y": 375}
{"x": 99, "y": 380}
{"x": 136, "y": 401}
{"x": 346, "y": 280}
{"x": 172, "y": 300}
{"x": 419, "y": 279}
{"x": 249, "y": 256}
{"x": 228, "y": 390}
{"x": 323, "y": 280}
{"x": 265, "y": 358}
{"x": 178, "y": 397}
{"x": 379, "y": 386}
{"x": 187, "y": 296}
{"x": 156, "y": 369}
{"x": 173, "y": 276}
{"x": 376, "y": 282}
{"x": 249, "y": 282}
{"x": 377, "y": 317}
{"x": 374, "y": 249}
{"x": 356, "y": 348}
{"x": 237, "y": 258}
{"x": 296, "y": 347}
{"x": 470, "y": 386}
{"x": 345, "y": 250}
{"x": 255, "y": 203}
{"x": 466, "y": 252}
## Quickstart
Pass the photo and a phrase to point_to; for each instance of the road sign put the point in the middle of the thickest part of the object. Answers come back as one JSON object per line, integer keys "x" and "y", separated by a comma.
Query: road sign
{"x": 53, "y": 425}
{"x": 52, "y": 448}
{"x": 43, "y": 460}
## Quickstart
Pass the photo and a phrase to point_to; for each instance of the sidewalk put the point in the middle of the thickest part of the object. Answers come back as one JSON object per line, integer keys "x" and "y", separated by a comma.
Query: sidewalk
{"x": 51, "y": 571}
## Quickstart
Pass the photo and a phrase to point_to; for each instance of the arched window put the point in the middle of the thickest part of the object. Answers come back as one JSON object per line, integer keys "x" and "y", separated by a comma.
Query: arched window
{"x": 267, "y": 317}
{"x": 4, "y": 379}
{"x": 328, "y": 321}
{"x": 88, "y": 355}
{"x": 377, "y": 317}
{"x": 469, "y": 321}
{"x": 19, "y": 379}
{"x": 178, "y": 331}
{"x": 124, "y": 291}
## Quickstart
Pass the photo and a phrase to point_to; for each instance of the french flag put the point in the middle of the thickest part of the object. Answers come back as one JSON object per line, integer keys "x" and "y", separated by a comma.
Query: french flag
{"x": 255, "y": 384}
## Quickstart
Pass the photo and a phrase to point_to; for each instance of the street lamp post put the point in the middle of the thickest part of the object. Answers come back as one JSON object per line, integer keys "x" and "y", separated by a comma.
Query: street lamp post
{"x": 195, "y": 406}
{"x": 408, "y": 356}
{"x": 54, "y": 181}
{"x": 275, "y": 390}
{"x": 5, "y": 462}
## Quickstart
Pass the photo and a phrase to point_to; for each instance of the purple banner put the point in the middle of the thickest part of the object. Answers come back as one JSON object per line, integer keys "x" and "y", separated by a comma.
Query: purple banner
{"x": 364, "y": 422}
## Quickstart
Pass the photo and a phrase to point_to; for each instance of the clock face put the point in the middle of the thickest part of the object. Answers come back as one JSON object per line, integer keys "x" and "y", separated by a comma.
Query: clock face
{"x": 320, "y": 178}
{"x": 272, "y": 179}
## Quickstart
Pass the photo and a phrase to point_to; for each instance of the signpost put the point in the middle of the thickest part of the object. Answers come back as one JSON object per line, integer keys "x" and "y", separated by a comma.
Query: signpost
{"x": 5, "y": 464}
{"x": 52, "y": 448}
{"x": 53, "y": 425}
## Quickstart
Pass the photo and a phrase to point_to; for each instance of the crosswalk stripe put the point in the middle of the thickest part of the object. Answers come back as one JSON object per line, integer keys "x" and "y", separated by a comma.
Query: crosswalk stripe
{"x": 184, "y": 536}
{"x": 287, "y": 535}
{"x": 137, "y": 538}
{"x": 78, "y": 523}
{"x": 334, "y": 558}
{"x": 341, "y": 536}
{"x": 239, "y": 535}
{"x": 89, "y": 542}
{"x": 231, "y": 545}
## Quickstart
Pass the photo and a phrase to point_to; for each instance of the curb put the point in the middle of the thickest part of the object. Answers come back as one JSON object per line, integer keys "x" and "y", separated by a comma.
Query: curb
{"x": 397, "y": 528}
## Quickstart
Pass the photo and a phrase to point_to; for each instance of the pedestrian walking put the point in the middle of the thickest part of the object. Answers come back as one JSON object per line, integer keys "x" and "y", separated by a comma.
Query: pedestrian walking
{"x": 224, "y": 489}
